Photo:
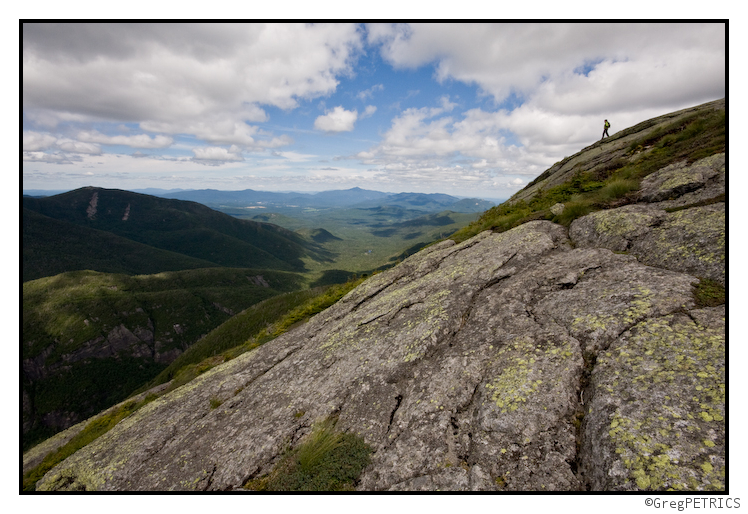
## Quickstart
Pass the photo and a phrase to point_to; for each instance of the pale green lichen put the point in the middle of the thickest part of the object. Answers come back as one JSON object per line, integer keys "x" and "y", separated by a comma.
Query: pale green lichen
{"x": 639, "y": 306}
{"x": 677, "y": 177}
{"x": 425, "y": 331}
{"x": 655, "y": 435}
{"x": 521, "y": 376}
{"x": 700, "y": 235}
{"x": 620, "y": 223}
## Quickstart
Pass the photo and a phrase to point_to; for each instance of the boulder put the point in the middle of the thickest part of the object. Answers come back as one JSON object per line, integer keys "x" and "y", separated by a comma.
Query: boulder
{"x": 690, "y": 240}
{"x": 680, "y": 180}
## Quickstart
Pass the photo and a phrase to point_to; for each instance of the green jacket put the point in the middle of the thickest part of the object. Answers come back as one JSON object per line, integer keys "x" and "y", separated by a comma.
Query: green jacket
{"x": 607, "y": 125}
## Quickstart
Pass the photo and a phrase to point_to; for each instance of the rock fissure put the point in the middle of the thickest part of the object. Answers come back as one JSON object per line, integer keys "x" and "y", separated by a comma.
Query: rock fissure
{"x": 398, "y": 400}
{"x": 270, "y": 367}
{"x": 209, "y": 480}
{"x": 474, "y": 298}
{"x": 390, "y": 315}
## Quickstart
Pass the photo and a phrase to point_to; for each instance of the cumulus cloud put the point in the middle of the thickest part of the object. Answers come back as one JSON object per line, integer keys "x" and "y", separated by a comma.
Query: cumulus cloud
{"x": 337, "y": 120}
{"x": 216, "y": 155}
{"x": 203, "y": 79}
{"x": 644, "y": 61}
{"x": 369, "y": 111}
{"x": 561, "y": 81}
{"x": 51, "y": 157}
{"x": 529, "y": 94}
{"x": 174, "y": 71}
{"x": 78, "y": 147}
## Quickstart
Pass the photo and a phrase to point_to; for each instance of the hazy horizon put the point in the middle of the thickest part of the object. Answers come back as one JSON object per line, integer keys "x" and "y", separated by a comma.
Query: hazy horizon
{"x": 288, "y": 191}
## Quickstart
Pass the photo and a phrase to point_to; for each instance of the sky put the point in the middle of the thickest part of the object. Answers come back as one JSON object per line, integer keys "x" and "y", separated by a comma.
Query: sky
{"x": 459, "y": 108}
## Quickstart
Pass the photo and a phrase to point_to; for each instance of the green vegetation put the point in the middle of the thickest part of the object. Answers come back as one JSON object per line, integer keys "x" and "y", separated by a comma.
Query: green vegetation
{"x": 613, "y": 184}
{"x": 709, "y": 293}
{"x": 326, "y": 460}
{"x": 85, "y": 388}
{"x": 51, "y": 247}
{"x": 306, "y": 304}
{"x": 63, "y": 314}
{"x": 79, "y": 306}
{"x": 92, "y": 431}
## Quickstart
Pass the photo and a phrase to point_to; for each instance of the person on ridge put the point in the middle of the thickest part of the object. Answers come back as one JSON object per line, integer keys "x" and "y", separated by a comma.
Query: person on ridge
{"x": 605, "y": 130}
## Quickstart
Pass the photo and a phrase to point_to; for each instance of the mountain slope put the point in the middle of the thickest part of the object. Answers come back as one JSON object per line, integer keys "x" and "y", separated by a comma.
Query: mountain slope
{"x": 90, "y": 339}
{"x": 179, "y": 226}
{"x": 541, "y": 357}
{"x": 53, "y": 246}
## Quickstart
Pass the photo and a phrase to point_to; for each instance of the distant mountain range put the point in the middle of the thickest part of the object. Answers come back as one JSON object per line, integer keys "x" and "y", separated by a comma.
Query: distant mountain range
{"x": 355, "y": 197}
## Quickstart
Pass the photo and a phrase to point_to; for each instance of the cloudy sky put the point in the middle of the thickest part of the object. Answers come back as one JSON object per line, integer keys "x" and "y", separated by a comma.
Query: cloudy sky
{"x": 464, "y": 109}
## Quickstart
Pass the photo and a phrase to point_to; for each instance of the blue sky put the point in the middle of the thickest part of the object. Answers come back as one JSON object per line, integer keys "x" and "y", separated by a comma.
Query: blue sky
{"x": 464, "y": 109}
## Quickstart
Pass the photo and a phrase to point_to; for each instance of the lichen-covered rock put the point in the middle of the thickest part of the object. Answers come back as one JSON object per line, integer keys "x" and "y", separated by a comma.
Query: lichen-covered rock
{"x": 655, "y": 417}
{"x": 678, "y": 179}
{"x": 463, "y": 368}
{"x": 615, "y": 229}
{"x": 690, "y": 240}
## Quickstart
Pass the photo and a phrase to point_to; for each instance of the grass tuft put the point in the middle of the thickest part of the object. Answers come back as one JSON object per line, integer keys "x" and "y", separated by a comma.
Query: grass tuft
{"x": 326, "y": 460}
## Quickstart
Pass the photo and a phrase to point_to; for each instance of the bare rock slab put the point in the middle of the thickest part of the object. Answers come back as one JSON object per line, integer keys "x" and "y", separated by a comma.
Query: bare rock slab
{"x": 467, "y": 367}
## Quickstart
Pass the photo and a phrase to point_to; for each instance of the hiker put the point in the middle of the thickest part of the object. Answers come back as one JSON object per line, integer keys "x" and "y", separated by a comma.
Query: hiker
{"x": 605, "y": 130}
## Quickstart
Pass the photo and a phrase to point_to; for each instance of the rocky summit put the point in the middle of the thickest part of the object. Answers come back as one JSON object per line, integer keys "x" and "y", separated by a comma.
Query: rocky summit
{"x": 542, "y": 358}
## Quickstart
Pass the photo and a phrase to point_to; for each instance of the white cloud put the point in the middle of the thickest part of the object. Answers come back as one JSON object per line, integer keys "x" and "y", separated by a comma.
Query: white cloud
{"x": 337, "y": 120}
{"x": 34, "y": 141}
{"x": 519, "y": 57}
{"x": 565, "y": 78}
{"x": 216, "y": 155}
{"x": 52, "y": 157}
{"x": 178, "y": 78}
{"x": 296, "y": 157}
{"x": 204, "y": 92}
{"x": 369, "y": 93}
{"x": 136, "y": 141}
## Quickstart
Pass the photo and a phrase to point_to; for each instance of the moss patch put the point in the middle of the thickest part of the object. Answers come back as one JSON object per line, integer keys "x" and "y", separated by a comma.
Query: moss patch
{"x": 709, "y": 293}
